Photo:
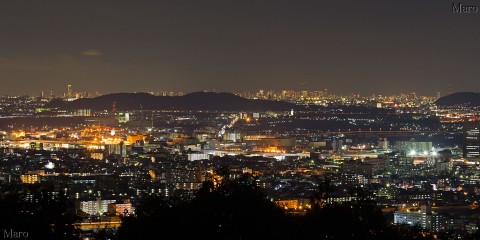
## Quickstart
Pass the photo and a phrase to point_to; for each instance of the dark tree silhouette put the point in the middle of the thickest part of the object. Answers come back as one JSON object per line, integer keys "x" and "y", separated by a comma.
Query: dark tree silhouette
{"x": 237, "y": 209}
{"x": 45, "y": 217}
{"x": 234, "y": 209}
{"x": 356, "y": 219}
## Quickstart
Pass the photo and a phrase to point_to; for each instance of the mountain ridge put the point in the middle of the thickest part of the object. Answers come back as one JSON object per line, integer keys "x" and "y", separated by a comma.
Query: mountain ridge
{"x": 471, "y": 99}
{"x": 191, "y": 101}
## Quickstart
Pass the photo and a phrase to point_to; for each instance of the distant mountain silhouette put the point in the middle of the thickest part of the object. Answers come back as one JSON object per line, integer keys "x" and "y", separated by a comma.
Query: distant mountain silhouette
{"x": 460, "y": 98}
{"x": 192, "y": 101}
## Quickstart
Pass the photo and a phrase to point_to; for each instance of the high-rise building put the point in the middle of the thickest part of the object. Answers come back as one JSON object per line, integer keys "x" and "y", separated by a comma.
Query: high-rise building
{"x": 471, "y": 139}
{"x": 413, "y": 147}
{"x": 30, "y": 178}
{"x": 69, "y": 91}
{"x": 232, "y": 135}
{"x": 383, "y": 143}
{"x": 95, "y": 207}
{"x": 423, "y": 218}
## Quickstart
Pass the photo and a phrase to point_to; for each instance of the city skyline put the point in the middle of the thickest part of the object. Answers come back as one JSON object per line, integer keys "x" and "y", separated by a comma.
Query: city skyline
{"x": 240, "y": 119}
{"x": 60, "y": 91}
{"x": 346, "y": 47}
{"x": 69, "y": 91}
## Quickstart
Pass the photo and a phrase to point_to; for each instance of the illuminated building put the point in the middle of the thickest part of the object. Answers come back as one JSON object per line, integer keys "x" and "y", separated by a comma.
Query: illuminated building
{"x": 231, "y": 135}
{"x": 288, "y": 204}
{"x": 30, "y": 178}
{"x": 132, "y": 139}
{"x": 95, "y": 207}
{"x": 383, "y": 144}
{"x": 188, "y": 185}
{"x": 120, "y": 208}
{"x": 96, "y": 155}
{"x": 83, "y": 112}
{"x": 69, "y": 91}
{"x": 317, "y": 144}
{"x": 298, "y": 204}
{"x": 266, "y": 142}
{"x": 197, "y": 156}
{"x": 413, "y": 147}
{"x": 123, "y": 117}
{"x": 423, "y": 218}
{"x": 116, "y": 149}
{"x": 471, "y": 139}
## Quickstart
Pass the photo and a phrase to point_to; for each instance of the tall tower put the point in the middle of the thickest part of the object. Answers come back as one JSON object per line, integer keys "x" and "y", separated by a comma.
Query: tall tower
{"x": 69, "y": 91}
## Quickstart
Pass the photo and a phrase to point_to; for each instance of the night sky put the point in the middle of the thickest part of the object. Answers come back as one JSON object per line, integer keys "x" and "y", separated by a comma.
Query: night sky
{"x": 366, "y": 47}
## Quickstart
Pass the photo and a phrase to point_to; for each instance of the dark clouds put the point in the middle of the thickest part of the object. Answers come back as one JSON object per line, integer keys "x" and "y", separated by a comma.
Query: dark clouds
{"x": 344, "y": 46}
